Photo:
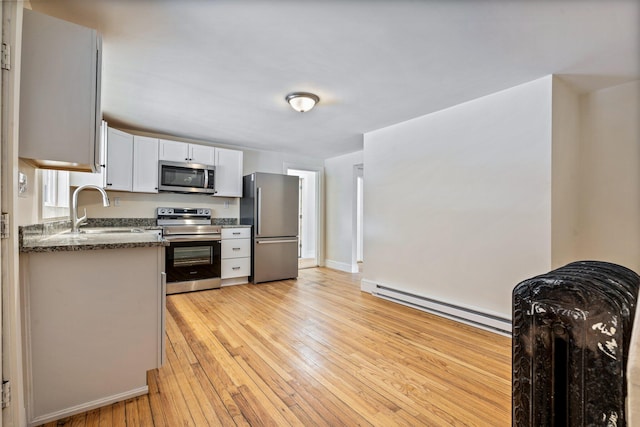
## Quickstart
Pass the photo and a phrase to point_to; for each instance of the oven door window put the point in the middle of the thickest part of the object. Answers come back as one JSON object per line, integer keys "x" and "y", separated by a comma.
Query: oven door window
{"x": 187, "y": 261}
{"x": 176, "y": 176}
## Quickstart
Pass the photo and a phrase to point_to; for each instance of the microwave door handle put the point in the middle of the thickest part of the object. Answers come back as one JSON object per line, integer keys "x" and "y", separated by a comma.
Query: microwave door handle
{"x": 206, "y": 179}
{"x": 259, "y": 213}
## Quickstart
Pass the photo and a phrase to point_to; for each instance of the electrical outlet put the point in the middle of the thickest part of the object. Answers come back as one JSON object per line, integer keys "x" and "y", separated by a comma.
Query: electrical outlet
{"x": 116, "y": 201}
{"x": 226, "y": 204}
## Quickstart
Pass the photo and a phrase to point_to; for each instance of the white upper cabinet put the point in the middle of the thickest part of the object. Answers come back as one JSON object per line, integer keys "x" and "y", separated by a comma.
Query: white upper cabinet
{"x": 59, "y": 94}
{"x": 145, "y": 164}
{"x": 202, "y": 154}
{"x": 183, "y": 152}
{"x": 119, "y": 160}
{"x": 173, "y": 151}
{"x": 228, "y": 174}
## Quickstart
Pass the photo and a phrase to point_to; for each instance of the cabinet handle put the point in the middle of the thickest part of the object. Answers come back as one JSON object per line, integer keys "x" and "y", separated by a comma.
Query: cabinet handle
{"x": 186, "y": 159}
{"x": 108, "y": 183}
{"x": 235, "y": 268}
{"x": 236, "y": 234}
{"x": 236, "y": 249}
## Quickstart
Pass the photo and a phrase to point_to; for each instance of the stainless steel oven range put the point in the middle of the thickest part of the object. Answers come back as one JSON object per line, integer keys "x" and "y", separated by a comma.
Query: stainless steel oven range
{"x": 192, "y": 259}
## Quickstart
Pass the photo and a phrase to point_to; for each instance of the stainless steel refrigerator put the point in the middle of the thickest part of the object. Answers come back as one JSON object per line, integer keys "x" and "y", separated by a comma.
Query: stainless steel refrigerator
{"x": 270, "y": 205}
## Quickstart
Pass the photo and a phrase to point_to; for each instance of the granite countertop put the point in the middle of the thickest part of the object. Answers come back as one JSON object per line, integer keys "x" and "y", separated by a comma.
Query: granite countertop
{"x": 88, "y": 240}
{"x": 56, "y": 237}
{"x": 99, "y": 233}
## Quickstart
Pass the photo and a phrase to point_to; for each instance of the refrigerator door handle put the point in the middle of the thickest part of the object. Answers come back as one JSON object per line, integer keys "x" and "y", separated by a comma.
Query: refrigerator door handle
{"x": 259, "y": 213}
{"x": 264, "y": 242}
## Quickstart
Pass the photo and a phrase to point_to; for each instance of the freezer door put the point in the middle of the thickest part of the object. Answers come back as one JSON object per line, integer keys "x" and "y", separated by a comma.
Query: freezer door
{"x": 276, "y": 205}
{"x": 275, "y": 259}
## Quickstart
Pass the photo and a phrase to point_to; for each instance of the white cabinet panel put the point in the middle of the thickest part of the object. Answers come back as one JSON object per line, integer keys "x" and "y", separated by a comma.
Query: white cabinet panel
{"x": 59, "y": 93}
{"x": 228, "y": 172}
{"x": 236, "y": 233}
{"x": 236, "y": 248}
{"x": 145, "y": 164}
{"x": 235, "y": 267}
{"x": 173, "y": 151}
{"x": 201, "y": 154}
{"x": 236, "y": 255}
{"x": 176, "y": 151}
{"x": 91, "y": 337}
{"x": 119, "y": 160}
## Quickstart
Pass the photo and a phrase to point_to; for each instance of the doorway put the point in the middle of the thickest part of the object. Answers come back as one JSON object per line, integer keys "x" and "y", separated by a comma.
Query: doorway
{"x": 308, "y": 217}
{"x": 358, "y": 235}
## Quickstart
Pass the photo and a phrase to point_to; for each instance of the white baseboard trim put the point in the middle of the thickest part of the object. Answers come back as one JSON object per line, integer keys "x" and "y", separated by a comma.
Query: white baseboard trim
{"x": 84, "y": 407}
{"x": 342, "y": 266}
{"x": 467, "y": 315}
{"x": 368, "y": 286}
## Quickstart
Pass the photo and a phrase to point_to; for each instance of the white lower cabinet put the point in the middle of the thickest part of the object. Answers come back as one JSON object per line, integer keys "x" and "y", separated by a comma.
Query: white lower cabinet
{"x": 94, "y": 326}
{"x": 236, "y": 255}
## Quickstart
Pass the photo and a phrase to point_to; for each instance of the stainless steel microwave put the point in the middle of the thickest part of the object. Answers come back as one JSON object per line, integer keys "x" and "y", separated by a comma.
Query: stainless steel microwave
{"x": 182, "y": 177}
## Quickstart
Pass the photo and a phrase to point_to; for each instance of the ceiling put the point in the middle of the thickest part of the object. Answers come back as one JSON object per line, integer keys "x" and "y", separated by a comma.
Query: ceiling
{"x": 219, "y": 71}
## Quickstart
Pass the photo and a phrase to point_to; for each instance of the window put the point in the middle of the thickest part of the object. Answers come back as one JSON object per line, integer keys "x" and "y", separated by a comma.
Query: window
{"x": 55, "y": 194}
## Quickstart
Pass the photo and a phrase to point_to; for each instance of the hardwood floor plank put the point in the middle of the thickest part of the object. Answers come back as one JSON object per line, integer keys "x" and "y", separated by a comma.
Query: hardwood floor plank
{"x": 118, "y": 414}
{"x": 93, "y": 418}
{"x": 155, "y": 402}
{"x": 106, "y": 416}
{"x": 317, "y": 351}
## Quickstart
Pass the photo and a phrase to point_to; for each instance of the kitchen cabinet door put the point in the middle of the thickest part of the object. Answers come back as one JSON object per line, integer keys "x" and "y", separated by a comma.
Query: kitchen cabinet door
{"x": 59, "y": 93}
{"x": 173, "y": 151}
{"x": 202, "y": 154}
{"x": 228, "y": 174}
{"x": 145, "y": 164}
{"x": 119, "y": 160}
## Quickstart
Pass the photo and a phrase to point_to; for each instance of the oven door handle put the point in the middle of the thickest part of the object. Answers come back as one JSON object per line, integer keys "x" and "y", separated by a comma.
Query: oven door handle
{"x": 193, "y": 238}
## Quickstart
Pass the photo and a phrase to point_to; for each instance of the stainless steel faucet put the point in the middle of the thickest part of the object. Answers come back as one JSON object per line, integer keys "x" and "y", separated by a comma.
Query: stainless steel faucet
{"x": 75, "y": 221}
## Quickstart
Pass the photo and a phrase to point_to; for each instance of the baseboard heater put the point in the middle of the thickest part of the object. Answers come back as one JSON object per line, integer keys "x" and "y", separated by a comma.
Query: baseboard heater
{"x": 451, "y": 311}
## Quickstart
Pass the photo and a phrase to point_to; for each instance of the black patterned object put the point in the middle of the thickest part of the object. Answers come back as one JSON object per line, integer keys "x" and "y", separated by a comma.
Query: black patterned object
{"x": 571, "y": 334}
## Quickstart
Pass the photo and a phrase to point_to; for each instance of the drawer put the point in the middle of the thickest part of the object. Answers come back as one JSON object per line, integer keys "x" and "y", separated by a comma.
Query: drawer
{"x": 236, "y": 267}
{"x": 235, "y": 248}
{"x": 236, "y": 233}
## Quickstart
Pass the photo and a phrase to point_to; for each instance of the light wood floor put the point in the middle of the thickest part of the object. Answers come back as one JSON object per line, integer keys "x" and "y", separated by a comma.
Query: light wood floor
{"x": 316, "y": 351}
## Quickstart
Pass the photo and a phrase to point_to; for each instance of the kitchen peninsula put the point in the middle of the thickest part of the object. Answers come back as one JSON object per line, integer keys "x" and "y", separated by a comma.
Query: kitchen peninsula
{"x": 94, "y": 317}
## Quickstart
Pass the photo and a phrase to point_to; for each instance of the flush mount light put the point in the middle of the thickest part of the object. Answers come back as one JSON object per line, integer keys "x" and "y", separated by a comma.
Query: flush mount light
{"x": 302, "y": 101}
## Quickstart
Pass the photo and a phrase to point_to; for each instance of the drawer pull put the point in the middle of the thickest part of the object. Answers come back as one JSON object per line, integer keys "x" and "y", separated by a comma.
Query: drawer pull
{"x": 236, "y": 233}
{"x": 236, "y": 249}
{"x": 235, "y": 268}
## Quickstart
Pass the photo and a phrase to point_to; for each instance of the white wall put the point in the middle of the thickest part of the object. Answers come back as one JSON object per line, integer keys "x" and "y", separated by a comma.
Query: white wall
{"x": 609, "y": 201}
{"x": 340, "y": 252}
{"x": 27, "y": 204}
{"x": 565, "y": 173}
{"x": 143, "y": 205}
{"x": 457, "y": 203}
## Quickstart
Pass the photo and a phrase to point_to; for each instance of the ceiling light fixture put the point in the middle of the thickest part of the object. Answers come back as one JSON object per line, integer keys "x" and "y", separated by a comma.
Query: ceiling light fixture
{"x": 302, "y": 101}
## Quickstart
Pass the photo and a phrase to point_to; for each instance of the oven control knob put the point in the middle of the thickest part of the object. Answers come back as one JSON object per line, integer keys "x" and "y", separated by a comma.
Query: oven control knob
{"x": 207, "y": 212}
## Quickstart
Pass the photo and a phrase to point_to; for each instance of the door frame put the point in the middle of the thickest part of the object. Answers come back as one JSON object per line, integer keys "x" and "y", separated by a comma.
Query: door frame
{"x": 319, "y": 190}
{"x": 12, "y": 369}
